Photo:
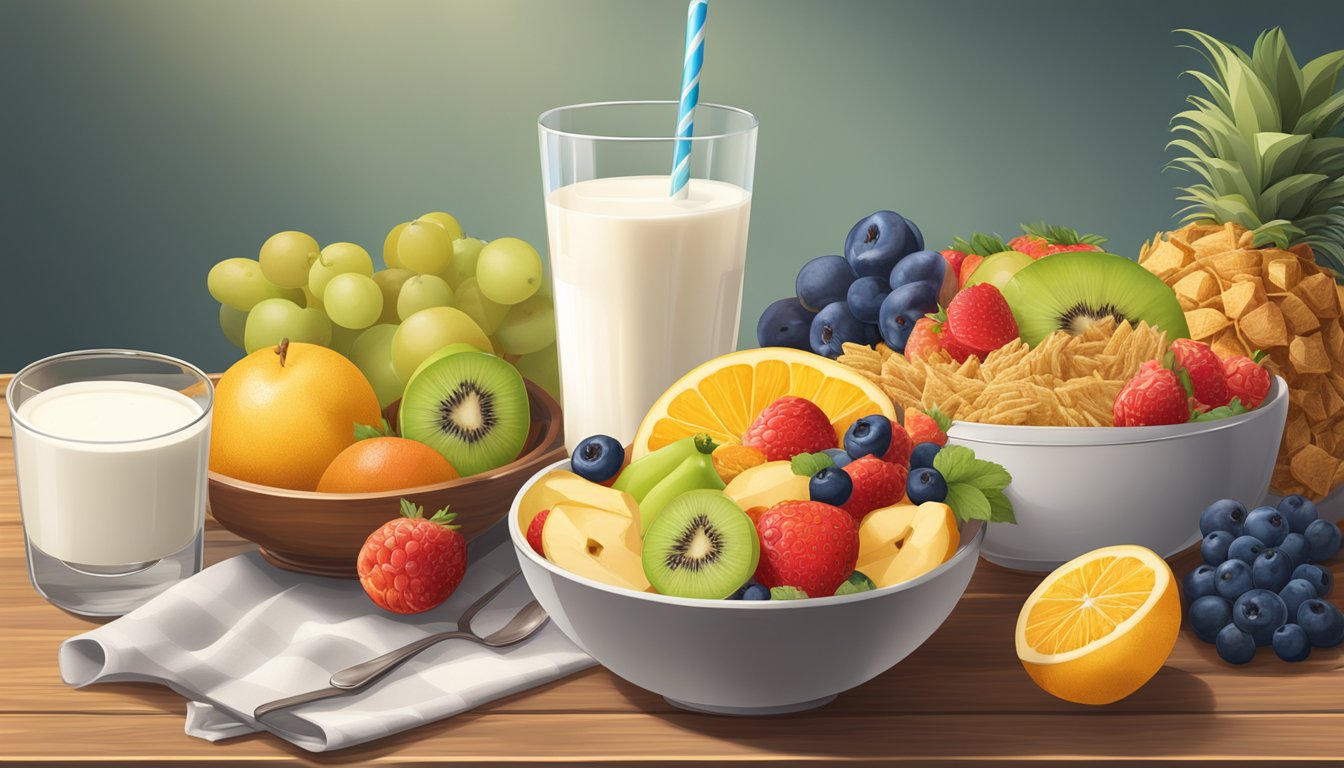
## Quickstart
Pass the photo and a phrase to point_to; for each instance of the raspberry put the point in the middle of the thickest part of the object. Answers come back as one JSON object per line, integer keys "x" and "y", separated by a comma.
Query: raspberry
{"x": 790, "y": 426}
{"x": 877, "y": 483}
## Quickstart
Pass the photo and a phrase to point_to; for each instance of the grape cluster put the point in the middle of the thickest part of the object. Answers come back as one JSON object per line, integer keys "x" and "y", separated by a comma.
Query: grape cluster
{"x": 1262, "y": 583}
{"x": 438, "y": 287}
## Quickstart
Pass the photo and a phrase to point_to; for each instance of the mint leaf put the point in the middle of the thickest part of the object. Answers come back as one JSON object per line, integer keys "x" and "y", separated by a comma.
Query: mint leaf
{"x": 857, "y": 582}
{"x": 809, "y": 464}
{"x": 987, "y": 476}
{"x": 942, "y": 419}
{"x": 1000, "y": 508}
{"x": 787, "y": 593}
{"x": 954, "y": 462}
{"x": 968, "y": 502}
{"x": 1235, "y": 408}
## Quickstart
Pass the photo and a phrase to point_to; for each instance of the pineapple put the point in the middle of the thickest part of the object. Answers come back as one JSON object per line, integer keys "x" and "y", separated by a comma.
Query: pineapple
{"x": 1257, "y": 263}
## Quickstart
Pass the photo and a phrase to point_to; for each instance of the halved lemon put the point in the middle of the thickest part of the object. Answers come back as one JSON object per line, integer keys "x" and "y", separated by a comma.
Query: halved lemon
{"x": 1101, "y": 625}
{"x": 725, "y": 395}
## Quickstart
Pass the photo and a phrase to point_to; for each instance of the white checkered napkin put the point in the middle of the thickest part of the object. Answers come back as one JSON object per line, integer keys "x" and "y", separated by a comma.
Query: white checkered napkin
{"x": 242, "y": 633}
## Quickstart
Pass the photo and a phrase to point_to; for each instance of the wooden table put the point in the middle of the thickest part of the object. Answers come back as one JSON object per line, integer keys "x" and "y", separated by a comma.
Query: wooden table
{"x": 960, "y": 699}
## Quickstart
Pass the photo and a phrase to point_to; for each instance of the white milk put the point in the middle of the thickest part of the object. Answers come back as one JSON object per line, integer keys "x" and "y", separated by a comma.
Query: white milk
{"x": 646, "y": 288}
{"x": 111, "y": 472}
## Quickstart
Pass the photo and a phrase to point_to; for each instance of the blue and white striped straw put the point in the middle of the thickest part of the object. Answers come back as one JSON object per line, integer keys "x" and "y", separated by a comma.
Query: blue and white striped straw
{"x": 690, "y": 95}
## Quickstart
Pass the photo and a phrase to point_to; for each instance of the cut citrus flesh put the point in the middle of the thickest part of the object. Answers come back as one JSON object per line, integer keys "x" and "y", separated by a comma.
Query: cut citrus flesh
{"x": 725, "y": 395}
{"x": 1101, "y": 625}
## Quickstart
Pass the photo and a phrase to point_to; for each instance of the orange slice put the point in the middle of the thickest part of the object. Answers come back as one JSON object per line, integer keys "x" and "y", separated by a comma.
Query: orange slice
{"x": 725, "y": 395}
{"x": 1101, "y": 625}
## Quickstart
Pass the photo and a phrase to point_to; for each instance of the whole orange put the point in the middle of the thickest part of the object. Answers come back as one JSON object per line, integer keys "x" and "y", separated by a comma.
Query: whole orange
{"x": 385, "y": 464}
{"x": 283, "y": 413}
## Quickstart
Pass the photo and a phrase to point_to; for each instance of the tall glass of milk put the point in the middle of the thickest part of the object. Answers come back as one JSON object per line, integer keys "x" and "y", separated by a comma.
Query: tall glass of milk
{"x": 110, "y": 449}
{"x": 647, "y": 286}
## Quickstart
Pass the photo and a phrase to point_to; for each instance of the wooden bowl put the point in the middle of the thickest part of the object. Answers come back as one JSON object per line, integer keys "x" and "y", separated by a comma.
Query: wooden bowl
{"x": 321, "y": 533}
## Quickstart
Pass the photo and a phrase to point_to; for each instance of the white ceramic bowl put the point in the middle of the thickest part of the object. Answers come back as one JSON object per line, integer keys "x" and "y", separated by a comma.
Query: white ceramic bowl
{"x": 746, "y": 657}
{"x": 1076, "y": 489}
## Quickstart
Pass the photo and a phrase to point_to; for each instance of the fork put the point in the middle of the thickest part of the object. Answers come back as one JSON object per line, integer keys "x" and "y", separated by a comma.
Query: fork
{"x": 523, "y": 625}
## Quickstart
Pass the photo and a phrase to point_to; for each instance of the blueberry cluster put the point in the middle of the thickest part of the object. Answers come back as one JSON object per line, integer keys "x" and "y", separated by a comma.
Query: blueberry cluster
{"x": 1261, "y": 582}
{"x": 876, "y": 292}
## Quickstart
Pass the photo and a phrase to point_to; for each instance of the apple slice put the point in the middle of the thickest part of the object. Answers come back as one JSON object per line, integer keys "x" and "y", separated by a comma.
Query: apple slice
{"x": 560, "y": 485}
{"x": 596, "y": 544}
{"x": 765, "y": 485}
{"x": 900, "y": 542}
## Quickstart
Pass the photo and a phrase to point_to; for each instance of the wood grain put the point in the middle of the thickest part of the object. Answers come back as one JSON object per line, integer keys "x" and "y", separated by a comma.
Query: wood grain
{"x": 961, "y": 699}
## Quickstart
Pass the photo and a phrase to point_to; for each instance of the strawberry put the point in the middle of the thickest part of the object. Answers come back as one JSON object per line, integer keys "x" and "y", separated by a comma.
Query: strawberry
{"x": 954, "y": 259}
{"x": 413, "y": 563}
{"x": 980, "y": 319}
{"x": 808, "y": 545}
{"x": 877, "y": 483}
{"x": 899, "y": 452}
{"x": 1247, "y": 380}
{"x": 968, "y": 267}
{"x": 1053, "y": 249}
{"x": 534, "y": 531}
{"x": 1034, "y": 246}
{"x": 1043, "y": 239}
{"x": 924, "y": 339}
{"x": 923, "y": 427}
{"x": 1207, "y": 378}
{"x": 1154, "y": 396}
{"x": 790, "y": 426}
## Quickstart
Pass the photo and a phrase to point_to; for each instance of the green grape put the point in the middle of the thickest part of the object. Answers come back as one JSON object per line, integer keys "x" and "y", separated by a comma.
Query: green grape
{"x": 542, "y": 368}
{"x": 389, "y": 282}
{"x": 285, "y": 258}
{"x": 430, "y": 330}
{"x": 233, "y": 322}
{"x": 239, "y": 283}
{"x": 424, "y": 247}
{"x": 353, "y": 300}
{"x": 423, "y": 292}
{"x": 311, "y": 299}
{"x": 372, "y": 354}
{"x": 508, "y": 270}
{"x": 465, "y": 252}
{"x": 338, "y": 259}
{"x": 275, "y": 319}
{"x": 343, "y": 339}
{"x": 486, "y": 313}
{"x": 390, "y": 246}
{"x": 529, "y": 326}
{"x": 445, "y": 220}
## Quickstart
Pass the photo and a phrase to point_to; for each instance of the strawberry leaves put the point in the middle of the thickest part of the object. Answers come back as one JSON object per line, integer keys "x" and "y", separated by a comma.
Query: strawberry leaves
{"x": 943, "y": 421}
{"x": 1234, "y": 408}
{"x": 974, "y": 486}
{"x": 364, "y": 431}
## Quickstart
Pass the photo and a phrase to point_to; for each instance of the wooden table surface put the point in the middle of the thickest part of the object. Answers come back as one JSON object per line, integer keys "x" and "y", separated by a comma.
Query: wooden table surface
{"x": 962, "y": 698}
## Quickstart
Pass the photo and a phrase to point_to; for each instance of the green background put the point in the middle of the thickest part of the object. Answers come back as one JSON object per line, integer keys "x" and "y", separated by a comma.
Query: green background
{"x": 144, "y": 141}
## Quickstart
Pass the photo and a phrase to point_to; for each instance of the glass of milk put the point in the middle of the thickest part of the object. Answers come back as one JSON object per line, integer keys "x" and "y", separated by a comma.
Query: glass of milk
{"x": 111, "y": 451}
{"x": 646, "y": 286}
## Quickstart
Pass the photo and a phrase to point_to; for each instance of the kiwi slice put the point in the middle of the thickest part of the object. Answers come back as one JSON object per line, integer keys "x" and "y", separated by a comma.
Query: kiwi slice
{"x": 1071, "y": 291}
{"x": 701, "y": 545}
{"x": 469, "y": 406}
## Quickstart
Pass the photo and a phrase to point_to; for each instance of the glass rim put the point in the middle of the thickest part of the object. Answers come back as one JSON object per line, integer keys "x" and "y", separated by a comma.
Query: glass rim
{"x": 111, "y": 353}
{"x": 753, "y": 121}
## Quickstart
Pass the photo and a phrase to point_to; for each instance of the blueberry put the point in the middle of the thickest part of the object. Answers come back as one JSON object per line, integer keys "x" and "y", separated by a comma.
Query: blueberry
{"x": 1323, "y": 537}
{"x": 1209, "y": 614}
{"x": 1232, "y": 579}
{"x": 597, "y": 458}
{"x": 1267, "y": 525}
{"x": 872, "y": 335}
{"x": 1320, "y": 579}
{"x": 1297, "y": 592}
{"x": 922, "y": 455}
{"x": 865, "y": 297}
{"x": 1298, "y": 510}
{"x": 830, "y": 486}
{"x": 823, "y": 280}
{"x": 871, "y": 434}
{"x": 1223, "y": 515}
{"x": 756, "y": 591}
{"x": 1201, "y": 582}
{"x": 1322, "y": 621}
{"x": 875, "y": 243}
{"x": 1234, "y": 645}
{"x": 1260, "y": 612}
{"x": 926, "y": 484}
{"x": 902, "y": 309}
{"x": 920, "y": 266}
{"x": 1214, "y": 547}
{"x": 1245, "y": 549}
{"x": 833, "y": 326}
{"x": 838, "y": 456}
{"x": 1295, "y": 547}
{"x": 785, "y": 323}
{"x": 1290, "y": 643}
{"x": 1272, "y": 570}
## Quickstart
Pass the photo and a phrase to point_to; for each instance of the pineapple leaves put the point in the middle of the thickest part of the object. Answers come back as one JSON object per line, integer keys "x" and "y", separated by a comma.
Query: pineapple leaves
{"x": 1274, "y": 64}
{"x": 1318, "y": 77}
{"x": 1288, "y": 196}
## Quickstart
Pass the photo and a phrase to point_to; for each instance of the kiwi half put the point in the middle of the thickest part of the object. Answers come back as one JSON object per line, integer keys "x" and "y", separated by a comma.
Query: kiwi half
{"x": 1071, "y": 291}
{"x": 701, "y": 545}
{"x": 469, "y": 406}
